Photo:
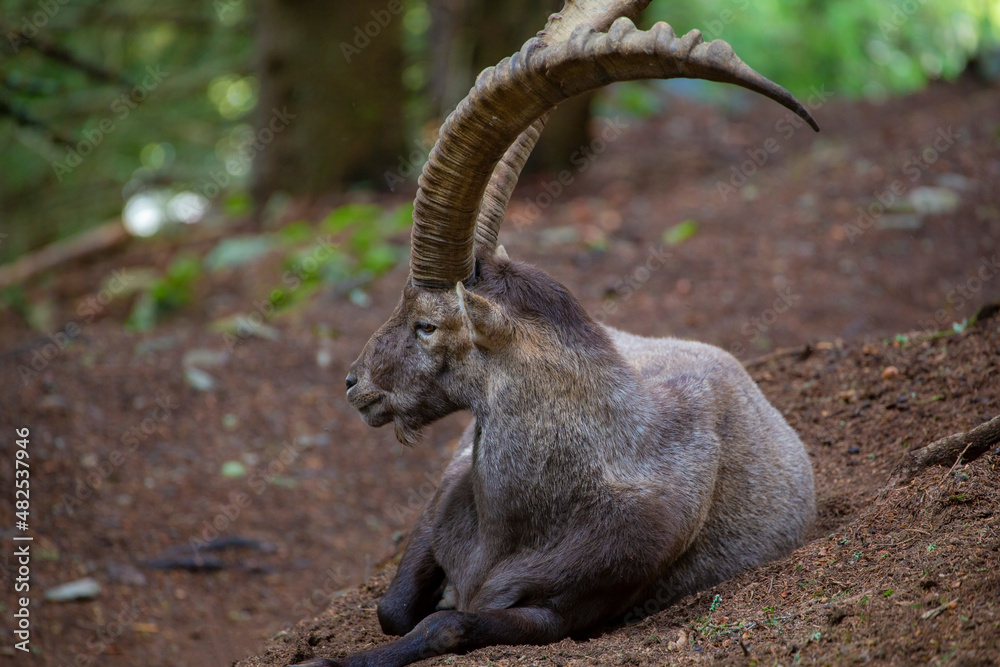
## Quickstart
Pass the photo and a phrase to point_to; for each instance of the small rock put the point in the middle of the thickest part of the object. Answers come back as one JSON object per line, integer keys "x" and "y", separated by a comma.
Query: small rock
{"x": 53, "y": 403}
{"x": 359, "y": 298}
{"x": 81, "y": 589}
{"x": 854, "y": 450}
{"x": 956, "y": 182}
{"x": 124, "y": 573}
{"x": 233, "y": 469}
{"x": 199, "y": 379}
{"x": 205, "y": 358}
{"x": 313, "y": 440}
{"x": 890, "y": 372}
{"x": 564, "y": 235}
{"x": 929, "y": 200}
{"x": 906, "y": 221}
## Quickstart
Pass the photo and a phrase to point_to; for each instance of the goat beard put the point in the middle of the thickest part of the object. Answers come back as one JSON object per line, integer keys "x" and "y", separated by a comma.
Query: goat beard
{"x": 407, "y": 435}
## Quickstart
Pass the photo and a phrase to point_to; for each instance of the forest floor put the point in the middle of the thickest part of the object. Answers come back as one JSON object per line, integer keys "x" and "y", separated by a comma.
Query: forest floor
{"x": 144, "y": 443}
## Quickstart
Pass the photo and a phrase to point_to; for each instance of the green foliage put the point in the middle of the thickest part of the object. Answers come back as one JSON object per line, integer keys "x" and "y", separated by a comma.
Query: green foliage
{"x": 368, "y": 229}
{"x": 101, "y": 99}
{"x": 364, "y": 244}
{"x": 166, "y": 295}
{"x": 230, "y": 253}
{"x": 852, "y": 46}
{"x": 680, "y": 232}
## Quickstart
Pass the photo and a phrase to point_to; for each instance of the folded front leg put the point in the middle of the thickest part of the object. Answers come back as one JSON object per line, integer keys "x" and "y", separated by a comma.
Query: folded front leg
{"x": 460, "y": 632}
{"x": 417, "y": 586}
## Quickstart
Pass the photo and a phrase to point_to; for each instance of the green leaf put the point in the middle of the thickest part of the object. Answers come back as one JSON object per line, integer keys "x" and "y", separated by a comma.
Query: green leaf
{"x": 680, "y": 232}
{"x": 341, "y": 218}
{"x": 297, "y": 232}
{"x": 380, "y": 259}
{"x": 399, "y": 219}
{"x": 237, "y": 204}
{"x": 231, "y": 253}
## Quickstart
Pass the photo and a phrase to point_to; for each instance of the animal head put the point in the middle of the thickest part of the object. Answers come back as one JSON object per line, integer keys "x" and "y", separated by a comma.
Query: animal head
{"x": 440, "y": 347}
{"x": 466, "y": 310}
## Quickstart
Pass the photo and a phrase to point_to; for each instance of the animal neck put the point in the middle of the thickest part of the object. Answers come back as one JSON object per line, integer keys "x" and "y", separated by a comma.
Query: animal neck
{"x": 553, "y": 424}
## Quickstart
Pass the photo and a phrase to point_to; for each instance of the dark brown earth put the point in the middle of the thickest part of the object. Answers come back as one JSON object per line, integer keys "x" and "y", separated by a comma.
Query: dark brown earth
{"x": 326, "y": 499}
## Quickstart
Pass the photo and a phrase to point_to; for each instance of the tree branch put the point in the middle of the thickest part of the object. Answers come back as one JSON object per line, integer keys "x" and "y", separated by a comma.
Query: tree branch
{"x": 946, "y": 452}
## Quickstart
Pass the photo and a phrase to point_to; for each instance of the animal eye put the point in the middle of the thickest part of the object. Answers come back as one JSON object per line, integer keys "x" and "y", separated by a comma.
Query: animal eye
{"x": 424, "y": 328}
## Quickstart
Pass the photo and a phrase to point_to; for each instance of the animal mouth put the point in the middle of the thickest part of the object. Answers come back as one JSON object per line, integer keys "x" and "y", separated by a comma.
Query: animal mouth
{"x": 371, "y": 406}
{"x": 362, "y": 402}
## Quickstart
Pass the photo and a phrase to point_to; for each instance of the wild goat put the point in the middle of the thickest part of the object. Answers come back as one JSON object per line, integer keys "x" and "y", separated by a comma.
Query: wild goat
{"x": 604, "y": 475}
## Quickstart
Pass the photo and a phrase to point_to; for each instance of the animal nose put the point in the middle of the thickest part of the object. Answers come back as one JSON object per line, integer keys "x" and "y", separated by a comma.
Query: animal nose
{"x": 352, "y": 380}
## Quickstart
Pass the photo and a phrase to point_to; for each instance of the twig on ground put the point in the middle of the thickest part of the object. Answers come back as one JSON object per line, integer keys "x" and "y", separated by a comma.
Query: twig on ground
{"x": 948, "y": 450}
{"x": 85, "y": 243}
{"x": 802, "y": 352}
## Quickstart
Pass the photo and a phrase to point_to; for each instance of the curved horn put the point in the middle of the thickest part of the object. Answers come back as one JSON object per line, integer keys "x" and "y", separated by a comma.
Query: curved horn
{"x": 502, "y": 183}
{"x": 509, "y": 97}
{"x": 599, "y": 15}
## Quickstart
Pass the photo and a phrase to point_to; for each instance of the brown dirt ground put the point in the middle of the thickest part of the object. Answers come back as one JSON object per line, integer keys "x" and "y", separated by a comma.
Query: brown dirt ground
{"x": 323, "y": 520}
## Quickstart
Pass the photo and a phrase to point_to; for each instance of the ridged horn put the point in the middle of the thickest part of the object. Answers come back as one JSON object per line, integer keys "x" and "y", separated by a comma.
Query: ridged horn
{"x": 502, "y": 183}
{"x": 599, "y": 15}
{"x": 509, "y": 97}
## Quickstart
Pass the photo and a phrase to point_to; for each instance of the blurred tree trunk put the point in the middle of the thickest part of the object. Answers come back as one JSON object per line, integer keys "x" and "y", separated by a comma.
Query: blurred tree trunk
{"x": 468, "y": 36}
{"x": 331, "y": 94}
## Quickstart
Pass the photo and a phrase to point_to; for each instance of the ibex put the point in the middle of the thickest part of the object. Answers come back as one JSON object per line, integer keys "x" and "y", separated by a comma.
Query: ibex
{"x": 604, "y": 475}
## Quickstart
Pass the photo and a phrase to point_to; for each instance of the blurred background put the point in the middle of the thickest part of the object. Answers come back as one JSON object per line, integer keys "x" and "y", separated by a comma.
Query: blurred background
{"x": 205, "y": 212}
{"x": 164, "y": 113}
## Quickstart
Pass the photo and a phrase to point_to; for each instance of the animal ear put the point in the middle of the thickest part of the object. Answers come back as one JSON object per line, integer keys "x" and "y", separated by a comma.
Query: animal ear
{"x": 487, "y": 323}
{"x": 501, "y": 253}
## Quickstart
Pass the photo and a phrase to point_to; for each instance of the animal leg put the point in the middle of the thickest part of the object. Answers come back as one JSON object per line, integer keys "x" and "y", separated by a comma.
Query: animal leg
{"x": 459, "y": 632}
{"x": 416, "y": 588}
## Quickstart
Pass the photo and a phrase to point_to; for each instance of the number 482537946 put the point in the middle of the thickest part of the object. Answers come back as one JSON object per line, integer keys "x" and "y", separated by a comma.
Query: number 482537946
{"x": 22, "y": 474}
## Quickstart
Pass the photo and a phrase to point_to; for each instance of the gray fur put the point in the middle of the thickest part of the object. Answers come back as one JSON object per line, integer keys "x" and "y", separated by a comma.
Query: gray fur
{"x": 605, "y": 475}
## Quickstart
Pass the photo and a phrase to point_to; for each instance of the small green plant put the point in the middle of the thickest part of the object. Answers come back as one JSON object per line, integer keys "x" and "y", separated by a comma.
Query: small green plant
{"x": 166, "y": 295}
{"x": 367, "y": 232}
{"x": 680, "y": 232}
{"x": 886, "y": 593}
